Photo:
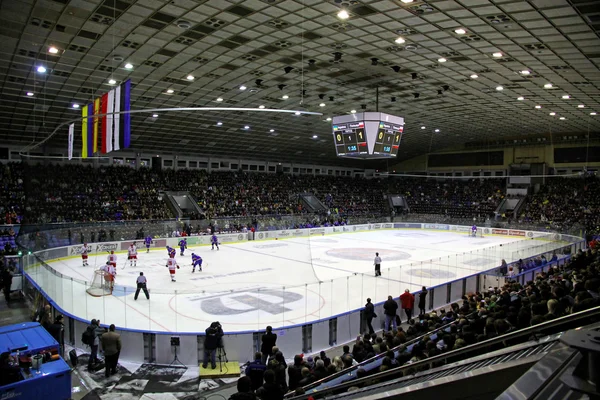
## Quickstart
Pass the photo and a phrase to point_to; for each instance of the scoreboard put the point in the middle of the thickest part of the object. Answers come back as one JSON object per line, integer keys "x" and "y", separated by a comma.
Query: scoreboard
{"x": 350, "y": 138}
{"x": 367, "y": 135}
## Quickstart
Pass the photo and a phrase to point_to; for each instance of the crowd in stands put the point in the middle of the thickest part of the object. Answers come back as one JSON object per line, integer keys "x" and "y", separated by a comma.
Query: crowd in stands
{"x": 562, "y": 201}
{"x": 68, "y": 193}
{"x": 8, "y": 244}
{"x": 565, "y": 289}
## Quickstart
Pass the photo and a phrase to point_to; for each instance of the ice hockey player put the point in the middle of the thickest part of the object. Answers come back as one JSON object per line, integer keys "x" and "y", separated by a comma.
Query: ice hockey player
{"x": 132, "y": 255}
{"x": 196, "y": 262}
{"x": 171, "y": 252}
{"x": 112, "y": 259}
{"x": 148, "y": 242}
{"x": 84, "y": 255}
{"x": 182, "y": 246}
{"x": 110, "y": 273}
{"x": 214, "y": 242}
{"x": 172, "y": 264}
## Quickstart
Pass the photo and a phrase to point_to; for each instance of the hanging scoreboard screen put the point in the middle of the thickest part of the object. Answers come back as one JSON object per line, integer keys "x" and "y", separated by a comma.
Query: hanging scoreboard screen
{"x": 367, "y": 135}
{"x": 350, "y": 138}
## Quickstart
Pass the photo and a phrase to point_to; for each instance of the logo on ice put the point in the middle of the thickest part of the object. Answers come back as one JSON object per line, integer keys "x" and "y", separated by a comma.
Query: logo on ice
{"x": 251, "y": 301}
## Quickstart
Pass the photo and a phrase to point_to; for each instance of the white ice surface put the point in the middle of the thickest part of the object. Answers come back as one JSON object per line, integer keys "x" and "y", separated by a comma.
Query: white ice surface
{"x": 249, "y": 285}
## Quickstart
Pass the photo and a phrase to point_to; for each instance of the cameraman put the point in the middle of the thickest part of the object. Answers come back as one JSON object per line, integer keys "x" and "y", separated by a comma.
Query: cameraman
{"x": 214, "y": 333}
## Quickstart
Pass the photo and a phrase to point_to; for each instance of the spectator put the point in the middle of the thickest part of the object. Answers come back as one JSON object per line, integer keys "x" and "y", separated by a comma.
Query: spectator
{"x": 268, "y": 342}
{"x": 111, "y": 345}
{"x": 422, "y": 300}
{"x": 95, "y": 330}
{"x": 255, "y": 371}
{"x": 6, "y": 283}
{"x": 295, "y": 372}
{"x": 390, "y": 308}
{"x": 244, "y": 389}
{"x": 408, "y": 303}
{"x": 279, "y": 366}
{"x": 57, "y": 330}
{"x": 270, "y": 390}
{"x": 370, "y": 314}
{"x": 325, "y": 359}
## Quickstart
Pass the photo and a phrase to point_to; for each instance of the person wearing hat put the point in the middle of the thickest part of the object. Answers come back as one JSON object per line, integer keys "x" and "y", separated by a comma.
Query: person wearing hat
{"x": 370, "y": 314}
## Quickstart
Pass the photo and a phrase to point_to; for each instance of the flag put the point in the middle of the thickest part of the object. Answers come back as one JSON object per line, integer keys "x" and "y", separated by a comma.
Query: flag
{"x": 103, "y": 110}
{"x": 84, "y": 132}
{"x": 96, "y": 121}
{"x": 116, "y": 118}
{"x": 71, "y": 137}
{"x": 90, "y": 130}
{"x": 126, "y": 106}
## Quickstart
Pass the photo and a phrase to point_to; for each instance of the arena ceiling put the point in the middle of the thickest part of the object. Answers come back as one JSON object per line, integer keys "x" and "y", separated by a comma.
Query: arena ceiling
{"x": 302, "y": 49}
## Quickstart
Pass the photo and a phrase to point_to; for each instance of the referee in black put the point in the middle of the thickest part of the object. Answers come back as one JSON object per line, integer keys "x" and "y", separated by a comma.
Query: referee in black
{"x": 141, "y": 284}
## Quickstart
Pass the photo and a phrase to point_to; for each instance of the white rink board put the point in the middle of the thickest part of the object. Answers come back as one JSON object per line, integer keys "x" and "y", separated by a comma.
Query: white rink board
{"x": 250, "y": 284}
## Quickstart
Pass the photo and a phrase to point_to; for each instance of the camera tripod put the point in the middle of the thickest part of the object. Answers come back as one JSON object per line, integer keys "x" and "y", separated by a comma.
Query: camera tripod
{"x": 222, "y": 354}
{"x": 176, "y": 359}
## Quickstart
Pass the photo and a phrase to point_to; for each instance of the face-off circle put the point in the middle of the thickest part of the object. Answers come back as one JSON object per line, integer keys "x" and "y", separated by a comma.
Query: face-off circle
{"x": 367, "y": 254}
{"x": 431, "y": 273}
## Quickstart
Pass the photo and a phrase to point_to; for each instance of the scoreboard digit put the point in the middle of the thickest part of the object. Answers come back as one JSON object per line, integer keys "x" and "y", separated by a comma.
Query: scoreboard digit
{"x": 338, "y": 137}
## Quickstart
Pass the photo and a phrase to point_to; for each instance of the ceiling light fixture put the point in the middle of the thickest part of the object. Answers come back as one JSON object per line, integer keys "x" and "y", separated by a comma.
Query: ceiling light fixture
{"x": 400, "y": 40}
{"x": 548, "y": 86}
{"x": 497, "y": 55}
{"x": 190, "y": 77}
{"x": 154, "y": 115}
{"x": 112, "y": 82}
{"x": 29, "y": 94}
{"x": 563, "y": 118}
{"x": 566, "y": 97}
{"x": 315, "y": 136}
{"x": 219, "y": 123}
{"x": 129, "y": 66}
{"x": 353, "y": 111}
{"x": 499, "y": 88}
{"x": 538, "y": 106}
{"x": 52, "y": 50}
{"x": 297, "y": 113}
{"x": 474, "y": 76}
{"x": 246, "y": 127}
{"x": 422, "y": 127}
{"x": 592, "y": 113}
{"x": 271, "y": 130}
{"x": 525, "y": 72}
{"x": 407, "y": 1}
{"x": 328, "y": 119}
{"x": 521, "y": 98}
{"x": 322, "y": 105}
{"x": 261, "y": 106}
{"x": 437, "y": 130}
{"x": 343, "y": 14}
{"x": 219, "y": 99}
{"x": 553, "y": 114}
{"x": 75, "y": 105}
{"x": 442, "y": 60}
{"x": 41, "y": 69}
{"x": 285, "y": 97}
{"x": 170, "y": 91}
{"x": 581, "y": 106}
{"x": 460, "y": 31}
{"x": 243, "y": 87}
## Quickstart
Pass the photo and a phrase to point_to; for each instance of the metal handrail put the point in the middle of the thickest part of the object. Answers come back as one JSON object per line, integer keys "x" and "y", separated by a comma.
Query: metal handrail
{"x": 532, "y": 330}
{"x": 378, "y": 356}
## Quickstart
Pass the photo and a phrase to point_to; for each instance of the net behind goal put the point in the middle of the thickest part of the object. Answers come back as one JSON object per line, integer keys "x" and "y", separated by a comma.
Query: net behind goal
{"x": 479, "y": 233}
{"x": 99, "y": 286}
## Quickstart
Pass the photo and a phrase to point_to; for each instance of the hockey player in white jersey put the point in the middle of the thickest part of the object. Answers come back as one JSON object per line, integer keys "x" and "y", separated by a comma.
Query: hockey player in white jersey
{"x": 172, "y": 265}
{"x": 112, "y": 259}
{"x": 132, "y": 255}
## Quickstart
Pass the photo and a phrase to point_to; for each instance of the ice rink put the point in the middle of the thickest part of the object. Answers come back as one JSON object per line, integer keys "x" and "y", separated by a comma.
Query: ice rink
{"x": 249, "y": 285}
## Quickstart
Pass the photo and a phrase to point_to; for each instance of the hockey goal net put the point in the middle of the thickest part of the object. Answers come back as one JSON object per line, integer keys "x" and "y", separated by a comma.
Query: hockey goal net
{"x": 479, "y": 233}
{"x": 100, "y": 286}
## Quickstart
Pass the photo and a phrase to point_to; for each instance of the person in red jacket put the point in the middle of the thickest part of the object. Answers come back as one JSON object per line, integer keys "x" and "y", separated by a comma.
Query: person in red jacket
{"x": 407, "y": 301}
